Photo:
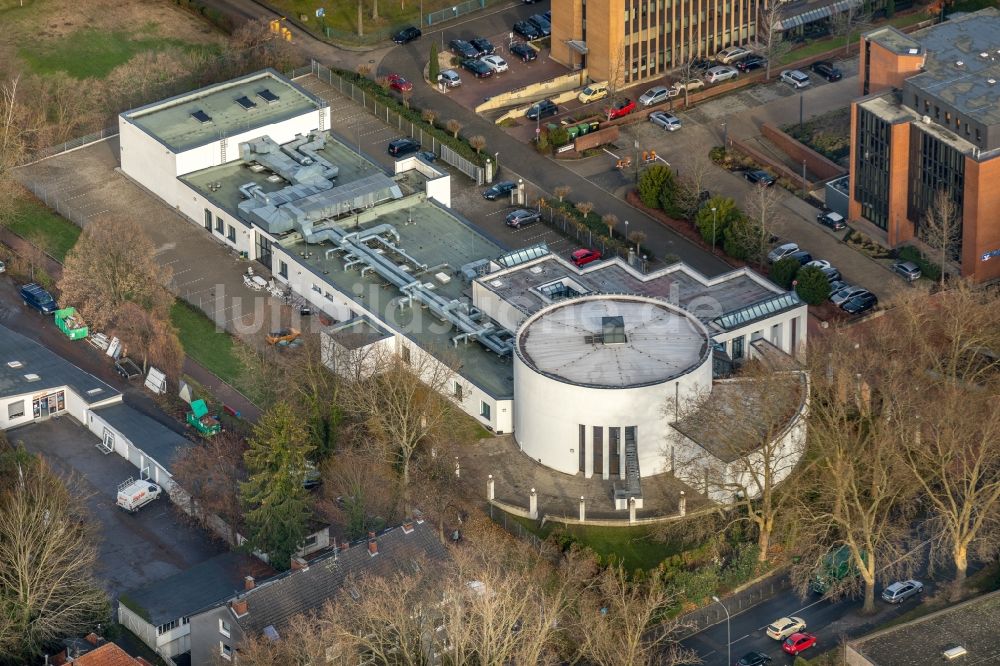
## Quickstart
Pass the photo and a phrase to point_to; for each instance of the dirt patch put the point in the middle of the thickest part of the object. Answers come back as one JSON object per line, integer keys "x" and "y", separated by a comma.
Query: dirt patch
{"x": 828, "y": 134}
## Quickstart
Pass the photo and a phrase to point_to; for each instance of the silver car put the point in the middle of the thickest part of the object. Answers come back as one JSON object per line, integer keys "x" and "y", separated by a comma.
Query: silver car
{"x": 902, "y": 590}
{"x": 781, "y": 252}
{"x": 665, "y": 120}
{"x": 450, "y": 78}
{"x": 796, "y": 78}
{"x": 907, "y": 269}
{"x": 721, "y": 73}
{"x": 654, "y": 96}
{"x": 845, "y": 294}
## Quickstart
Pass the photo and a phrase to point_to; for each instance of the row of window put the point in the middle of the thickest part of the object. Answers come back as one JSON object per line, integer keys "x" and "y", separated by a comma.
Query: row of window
{"x": 173, "y": 624}
{"x": 952, "y": 121}
{"x": 221, "y": 227}
{"x": 871, "y": 185}
{"x": 614, "y": 447}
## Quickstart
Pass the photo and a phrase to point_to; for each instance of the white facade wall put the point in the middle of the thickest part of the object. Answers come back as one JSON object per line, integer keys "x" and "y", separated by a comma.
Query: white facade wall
{"x": 21, "y": 403}
{"x": 497, "y": 309}
{"x": 438, "y": 186}
{"x": 778, "y": 330}
{"x": 549, "y": 413}
{"x": 192, "y": 204}
{"x": 74, "y": 406}
{"x": 130, "y": 450}
{"x": 148, "y": 162}
{"x": 169, "y": 643}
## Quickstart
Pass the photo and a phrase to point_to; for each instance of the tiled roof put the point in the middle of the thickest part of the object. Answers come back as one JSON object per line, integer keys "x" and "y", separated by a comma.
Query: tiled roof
{"x": 108, "y": 654}
{"x": 274, "y": 602}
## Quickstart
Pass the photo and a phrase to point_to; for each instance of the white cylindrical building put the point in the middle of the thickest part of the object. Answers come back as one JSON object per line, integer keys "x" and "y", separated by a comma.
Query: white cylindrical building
{"x": 598, "y": 375}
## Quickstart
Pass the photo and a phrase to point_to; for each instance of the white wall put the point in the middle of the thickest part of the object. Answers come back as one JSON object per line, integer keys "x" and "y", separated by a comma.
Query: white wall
{"x": 765, "y": 326}
{"x": 75, "y": 406}
{"x": 438, "y": 185}
{"x": 192, "y": 204}
{"x": 501, "y": 311}
{"x": 131, "y": 451}
{"x": 6, "y": 422}
{"x": 170, "y": 643}
{"x": 147, "y": 161}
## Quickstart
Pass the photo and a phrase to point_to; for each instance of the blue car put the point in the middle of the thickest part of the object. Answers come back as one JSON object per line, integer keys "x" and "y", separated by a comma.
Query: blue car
{"x": 36, "y": 297}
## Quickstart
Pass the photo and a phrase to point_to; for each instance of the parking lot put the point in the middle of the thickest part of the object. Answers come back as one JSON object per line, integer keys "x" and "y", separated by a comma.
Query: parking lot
{"x": 133, "y": 549}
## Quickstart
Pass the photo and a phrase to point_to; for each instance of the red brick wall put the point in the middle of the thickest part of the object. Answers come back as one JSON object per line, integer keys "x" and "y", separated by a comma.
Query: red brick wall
{"x": 888, "y": 70}
{"x": 900, "y": 227}
{"x": 980, "y": 219}
{"x": 800, "y": 152}
{"x": 598, "y": 138}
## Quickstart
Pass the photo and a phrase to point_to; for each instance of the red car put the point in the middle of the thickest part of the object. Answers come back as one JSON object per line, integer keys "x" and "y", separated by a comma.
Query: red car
{"x": 796, "y": 643}
{"x": 397, "y": 82}
{"x": 620, "y": 108}
{"x": 584, "y": 256}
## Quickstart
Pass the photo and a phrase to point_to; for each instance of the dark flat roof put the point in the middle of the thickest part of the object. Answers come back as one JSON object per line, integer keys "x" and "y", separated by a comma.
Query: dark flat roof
{"x": 52, "y": 370}
{"x": 972, "y": 625}
{"x": 194, "y": 589}
{"x": 155, "y": 439}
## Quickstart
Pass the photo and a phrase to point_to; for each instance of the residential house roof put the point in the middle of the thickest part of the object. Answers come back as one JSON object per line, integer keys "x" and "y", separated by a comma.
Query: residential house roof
{"x": 155, "y": 439}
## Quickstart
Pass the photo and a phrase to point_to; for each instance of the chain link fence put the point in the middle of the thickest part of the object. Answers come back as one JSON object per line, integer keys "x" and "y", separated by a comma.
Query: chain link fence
{"x": 72, "y": 144}
{"x": 390, "y": 117}
{"x": 506, "y": 521}
{"x": 56, "y": 201}
{"x": 703, "y": 618}
{"x": 453, "y": 12}
{"x": 568, "y": 226}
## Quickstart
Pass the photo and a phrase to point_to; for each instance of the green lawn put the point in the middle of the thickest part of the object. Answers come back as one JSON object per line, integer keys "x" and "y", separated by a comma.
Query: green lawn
{"x": 342, "y": 17}
{"x": 820, "y": 46}
{"x": 94, "y": 53}
{"x": 54, "y": 234}
{"x": 206, "y": 344}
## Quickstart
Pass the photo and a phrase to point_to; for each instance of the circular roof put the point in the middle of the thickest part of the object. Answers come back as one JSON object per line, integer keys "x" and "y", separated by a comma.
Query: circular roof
{"x": 613, "y": 341}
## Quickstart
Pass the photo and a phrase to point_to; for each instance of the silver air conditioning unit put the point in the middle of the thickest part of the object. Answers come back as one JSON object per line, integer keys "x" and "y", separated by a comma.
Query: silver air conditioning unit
{"x": 955, "y": 652}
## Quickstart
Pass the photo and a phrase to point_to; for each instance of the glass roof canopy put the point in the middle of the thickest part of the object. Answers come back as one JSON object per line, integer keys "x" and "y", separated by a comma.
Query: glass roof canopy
{"x": 760, "y": 310}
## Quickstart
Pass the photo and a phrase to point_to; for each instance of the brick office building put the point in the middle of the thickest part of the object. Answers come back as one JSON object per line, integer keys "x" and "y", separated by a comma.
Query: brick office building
{"x": 929, "y": 121}
{"x": 628, "y": 41}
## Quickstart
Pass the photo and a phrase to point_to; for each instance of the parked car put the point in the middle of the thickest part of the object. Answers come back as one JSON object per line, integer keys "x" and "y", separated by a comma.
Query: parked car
{"x": 846, "y": 293}
{"x": 133, "y": 495}
{"x": 483, "y": 46}
{"x": 753, "y": 659}
{"x": 902, "y": 590}
{"x": 495, "y": 62}
{"x": 522, "y": 218}
{"x": 860, "y": 303}
{"x": 690, "y": 85}
{"x": 548, "y": 15}
{"x": 450, "y": 78}
{"x": 524, "y": 52}
{"x": 478, "y": 68}
{"x": 796, "y": 78}
{"x": 463, "y": 49}
{"x": 499, "y": 189}
{"x": 526, "y": 30}
{"x": 593, "y": 92}
{"x": 530, "y": 2}
{"x": 542, "y": 109}
{"x": 826, "y": 69}
{"x": 584, "y": 256}
{"x": 781, "y": 629}
{"x": 732, "y": 54}
{"x": 619, "y": 109}
{"x": 751, "y": 63}
{"x": 667, "y": 121}
{"x": 721, "y": 73}
{"x": 801, "y": 256}
{"x": 702, "y": 64}
{"x": 541, "y": 23}
{"x": 404, "y": 146}
{"x": 833, "y": 220}
{"x": 836, "y": 286}
{"x": 907, "y": 269}
{"x": 829, "y": 270}
{"x": 397, "y": 82}
{"x": 34, "y": 296}
{"x": 656, "y": 95}
{"x": 407, "y": 35}
{"x": 796, "y": 643}
{"x": 760, "y": 177}
{"x": 781, "y": 252}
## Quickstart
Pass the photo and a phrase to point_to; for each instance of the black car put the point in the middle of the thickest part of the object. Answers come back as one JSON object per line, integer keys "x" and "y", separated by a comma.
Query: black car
{"x": 502, "y": 188}
{"x": 522, "y": 218}
{"x": 526, "y": 30}
{"x": 530, "y": 2}
{"x": 462, "y": 48}
{"x": 860, "y": 303}
{"x": 760, "y": 177}
{"x": 826, "y": 69}
{"x": 406, "y": 35}
{"x": 35, "y": 296}
{"x": 801, "y": 256}
{"x": 753, "y": 659}
{"x": 483, "y": 46}
{"x": 751, "y": 63}
{"x": 702, "y": 64}
{"x": 524, "y": 52}
{"x": 548, "y": 15}
{"x": 542, "y": 109}
{"x": 403, "y": 146}
{"x": 541, "y": 23}
{"x": 477, "y": 67}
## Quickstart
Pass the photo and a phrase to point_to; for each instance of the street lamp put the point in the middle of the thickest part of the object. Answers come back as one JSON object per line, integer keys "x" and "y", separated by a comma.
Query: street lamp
{"x": 725, "y": 137}
{"x": 715, "y": 220}
{"x": 729, "y": 644}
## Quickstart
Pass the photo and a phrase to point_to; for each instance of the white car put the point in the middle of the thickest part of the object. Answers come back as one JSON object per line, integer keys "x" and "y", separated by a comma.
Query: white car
{"x": 496, "y": 63}
{"x": 732, "y": 54}
{"x": 665, "y": 120}
{"x": 796, "y": 78}
{"x": 721, "y": 73}
{"x": 781, "y": 252}
{"x": 821, "y": 264}
{"x": 655, "y": 95}
{"x": 781, "y": 629}
{"x": 450, "y": 78}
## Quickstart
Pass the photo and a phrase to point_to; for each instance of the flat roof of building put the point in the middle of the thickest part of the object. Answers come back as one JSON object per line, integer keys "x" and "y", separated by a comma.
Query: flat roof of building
{"x": 208, "y": 114}
{"x": 27, "y": 367}
{"x": 707, "y": 299}
{"x": 971, "y": 625}
{"x": 895, "y": 40}
{"x": 357, "y": 333}
{"x": 435, "y": 237}
{"x": 962, "y": 67}
{"x": 889, "y": 108}
{"x": 155, "y": 439}
{"x": 613, "y": 342}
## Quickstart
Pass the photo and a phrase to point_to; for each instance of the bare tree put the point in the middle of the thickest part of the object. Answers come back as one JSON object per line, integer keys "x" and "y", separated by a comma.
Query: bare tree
{"x": 358, "y": 487}
{"x": 757, "y": 421}
{"x": 769, "y": 40}
{"x": 562, "y": 191}
{"x": 761, "y": 207}
{"x": 942, "y": 229}
{"x": 211, "y": 471}
{"x": 610, "y": 220}
{"x": 454, "y": 127}
{"x": 637, "y": 237}
{"x": 693, "y": 180}
{"x": 856, "y": 19}
{"x": 584, "y": 207}
{"x": 47, "y": 558}
{"x": 478, "y": 142}
{"x": 429, "y": 116}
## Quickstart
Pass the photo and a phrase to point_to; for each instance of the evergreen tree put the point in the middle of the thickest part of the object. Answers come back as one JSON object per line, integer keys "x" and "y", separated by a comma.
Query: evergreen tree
{"x": 784, "y": 270}
{"x": 653, "y": 181}
{"x": 275, "y": 503}
{"x": 708, "y": 221}
{"x": 433, "y": 67}
{"x": 812, "y": 286}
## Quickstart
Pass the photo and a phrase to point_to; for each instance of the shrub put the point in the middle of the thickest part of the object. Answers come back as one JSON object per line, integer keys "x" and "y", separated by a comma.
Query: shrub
{"x": 653, "y": 181}
{"x": 784, "y": 271}
{"x": 433, "y": 67}
{"x": 559, "y": 136}
{"x": 811, "y": 285}
{"x": 742, "y": 565}
{"x": 740, "y": 239}
{"x": 697, "y": 586}
{"x": 717, "y": 221}
{"x": 929, "y": 269}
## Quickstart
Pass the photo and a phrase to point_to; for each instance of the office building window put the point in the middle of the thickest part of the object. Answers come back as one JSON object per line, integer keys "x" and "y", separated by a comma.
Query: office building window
{"x": 231, "y": 234}
{"x": 484, "y": 410}
{"x": 404, "y": 353}
{"x": 871, "y": 187}
{"x": 582, "y": 447}
{"x": 935, "y": 167}
{"x": 737, "y": 348}
{"x": 208, "y": 219}
{"x": 164, "y": 628}
{"x": 220, "y": 225}
{"x": 598, "y": 446}
{"x": 283, "y": 269}
{"x": 458, "y": 390}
